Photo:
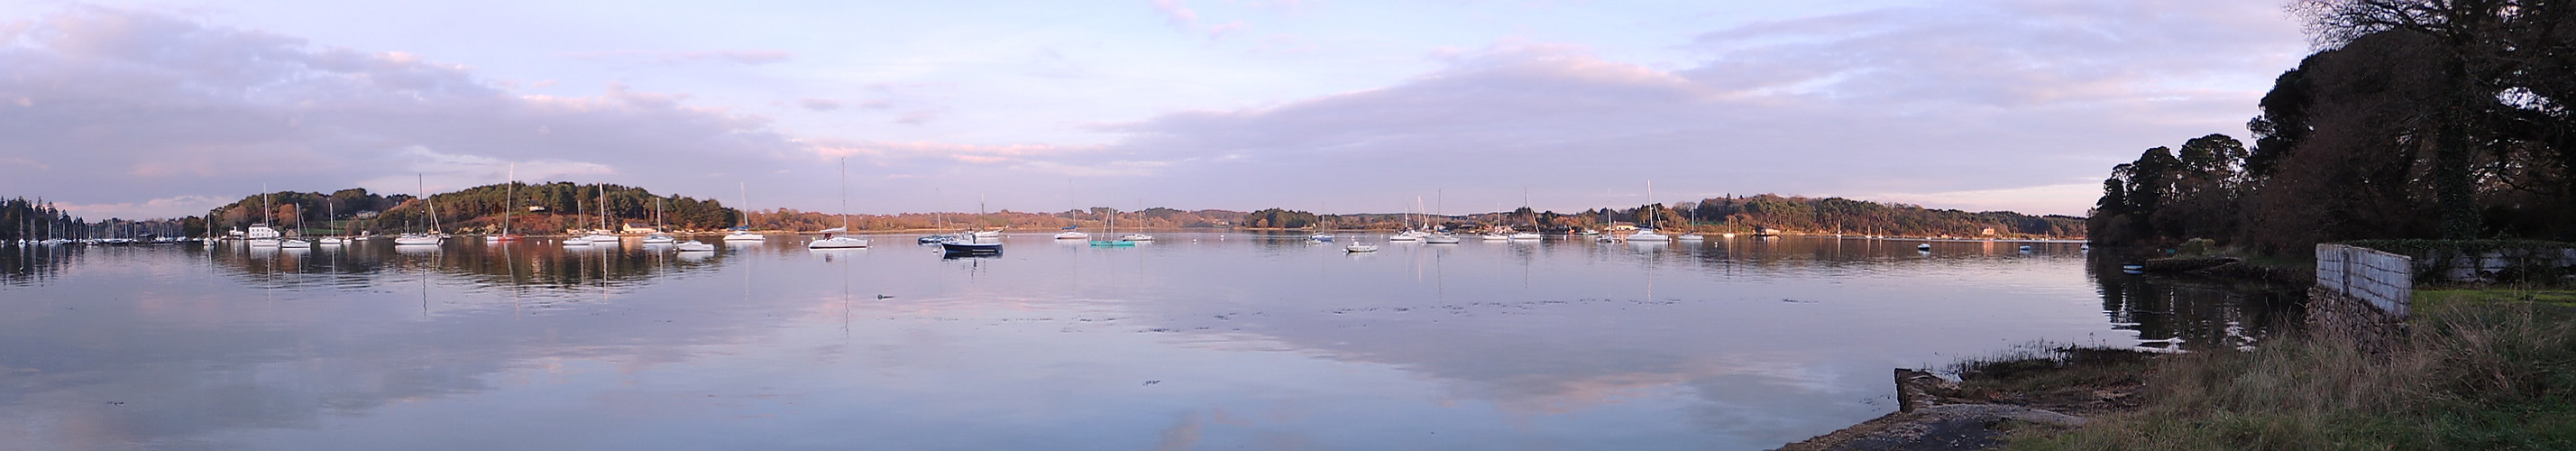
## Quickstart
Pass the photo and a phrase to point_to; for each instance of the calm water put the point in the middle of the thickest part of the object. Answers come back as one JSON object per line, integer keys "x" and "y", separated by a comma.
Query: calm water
{"x": 1201, "y": 341}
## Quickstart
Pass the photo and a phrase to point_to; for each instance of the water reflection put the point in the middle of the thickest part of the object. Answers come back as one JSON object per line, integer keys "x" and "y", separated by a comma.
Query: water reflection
{"x": 1200, "y": 340}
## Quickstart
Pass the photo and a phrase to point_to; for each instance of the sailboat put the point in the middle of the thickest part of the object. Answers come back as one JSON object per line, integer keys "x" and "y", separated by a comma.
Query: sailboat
{"x": 1437, "y": 236}
{"x": 1647, "y": 233}
{"x": 1139, "y": 236}
{"x": 742, "y": 226}
{"x": 1112, "y": 228}
{"x": 423, "y": 239}
{"x": 298, "y": 242}
{"x": 840, "y": 242}
{"x": 1524, "y": 236}
{"x": 575, "y": 240}
{"x": 329, "y": 211}
{"x": 1693, "y": 234}
{"x": 1411, "y": 232}
{"x": 602, "y": 234}
{"x": 509, "y": 194}
{"x": 658, "y": 237}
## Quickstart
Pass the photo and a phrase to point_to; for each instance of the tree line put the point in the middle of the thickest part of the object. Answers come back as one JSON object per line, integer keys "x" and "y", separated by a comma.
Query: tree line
{"x": 24, "y": 220}
{"x": 2416, "y": 119}
{"x": 539, "y": 208}
{"x": 1788, "y": 214}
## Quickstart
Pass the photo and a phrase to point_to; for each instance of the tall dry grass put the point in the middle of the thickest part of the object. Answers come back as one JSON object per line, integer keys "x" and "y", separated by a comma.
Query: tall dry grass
{"x": 2471, "y": 376}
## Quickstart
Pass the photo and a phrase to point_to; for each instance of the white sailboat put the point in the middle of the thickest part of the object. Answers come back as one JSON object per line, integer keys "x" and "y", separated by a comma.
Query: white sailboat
{"x": 840, "y": 242}
{"x": 509, "y": 195}
{"x": 423, "y": 239}
{"x": 576, "y": 240}
{"x": 742, "y": 226}
{"x": 1139, "y": 236}
{"x": 331, "y": 211}
{"x": 1647, "y": 233}
{"x": 1693, "y": 233}
{"x": 658, "y": 237}
{"x": 1437, "y": 237}
{"x": 298, "y": 242}
{"x": 602, "y": 236}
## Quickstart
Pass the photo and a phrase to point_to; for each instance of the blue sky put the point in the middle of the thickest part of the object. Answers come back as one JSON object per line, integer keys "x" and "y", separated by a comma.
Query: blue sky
{"x": 1317, "y": 105}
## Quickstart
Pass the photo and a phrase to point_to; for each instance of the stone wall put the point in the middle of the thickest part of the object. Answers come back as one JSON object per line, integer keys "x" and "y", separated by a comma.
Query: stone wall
{"x": 2378, "y": 279}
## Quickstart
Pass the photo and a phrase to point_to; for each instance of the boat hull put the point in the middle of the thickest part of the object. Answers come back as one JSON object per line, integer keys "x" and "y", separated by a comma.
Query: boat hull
{"x": 972, "y": 248}
{"x": 837, "y": 243}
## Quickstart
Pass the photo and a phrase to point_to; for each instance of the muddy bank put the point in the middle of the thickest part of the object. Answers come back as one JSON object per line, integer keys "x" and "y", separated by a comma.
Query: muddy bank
{"x": 1994, "y": 399}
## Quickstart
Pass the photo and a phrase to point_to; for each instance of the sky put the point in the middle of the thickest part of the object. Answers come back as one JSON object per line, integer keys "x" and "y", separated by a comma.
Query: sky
{"x": 159, "y": 108}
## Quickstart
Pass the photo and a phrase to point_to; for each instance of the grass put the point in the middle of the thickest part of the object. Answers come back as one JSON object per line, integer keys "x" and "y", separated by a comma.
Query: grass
{"x": 2476, "y": 372}
{"x": 2057, "y": 377}
{"x": 2488, "y": 294}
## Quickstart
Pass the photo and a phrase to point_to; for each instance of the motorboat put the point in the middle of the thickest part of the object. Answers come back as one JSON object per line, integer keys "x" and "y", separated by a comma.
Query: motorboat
{"x": 1691, "y": 237}
{"x": 1440, "y": 238}
{"x": 1136, "y": 237}
{"x": 1359, "y": 248}
{"x": 743, "y": 235}
{"x": 693, "y": 246}
{"x": 331, "y": 241}
{"x": 972, "y": 243}
{"x": 930, "y": 239}
{"x": 1524, "y": 236}
{"x": 1926, "y": 247}
{"x": 659, "y": 238}
{"x": 577, "y": 241}
{"x": 1320, "y": 237}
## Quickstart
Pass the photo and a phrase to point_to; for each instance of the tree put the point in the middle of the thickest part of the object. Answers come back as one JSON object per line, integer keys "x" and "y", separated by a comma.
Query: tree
{"x": 2479, "y": 49}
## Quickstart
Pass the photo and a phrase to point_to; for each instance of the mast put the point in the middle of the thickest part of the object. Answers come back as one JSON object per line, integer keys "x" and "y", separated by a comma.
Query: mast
{"x": 743, "y": 220}
{"x": 845, "y": 194}
{"x": 423, "y": 186}
{"x": 509, "y": 193}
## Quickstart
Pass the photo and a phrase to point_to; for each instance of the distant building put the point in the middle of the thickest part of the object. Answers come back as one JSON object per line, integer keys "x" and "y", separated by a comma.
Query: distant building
{"x": 364, "y": 215}
{"x": 536, "y": 208}
{"x": 637, "y": 228}
{"x": 1990, "y": 231}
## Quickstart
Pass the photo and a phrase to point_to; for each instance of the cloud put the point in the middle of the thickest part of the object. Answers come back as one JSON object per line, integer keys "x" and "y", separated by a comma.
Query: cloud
{"x": 668, "y": 57}
{"x": 164, "y": 106}
{"x": 1176, "y": 14}
{"x": 2014, "y": 104}
{"x": 1952, "y": 98}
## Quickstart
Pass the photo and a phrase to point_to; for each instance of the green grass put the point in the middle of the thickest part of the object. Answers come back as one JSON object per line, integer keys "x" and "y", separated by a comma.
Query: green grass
{"x": 2447, "y": 296}
{"x": 2472, "y": 374}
